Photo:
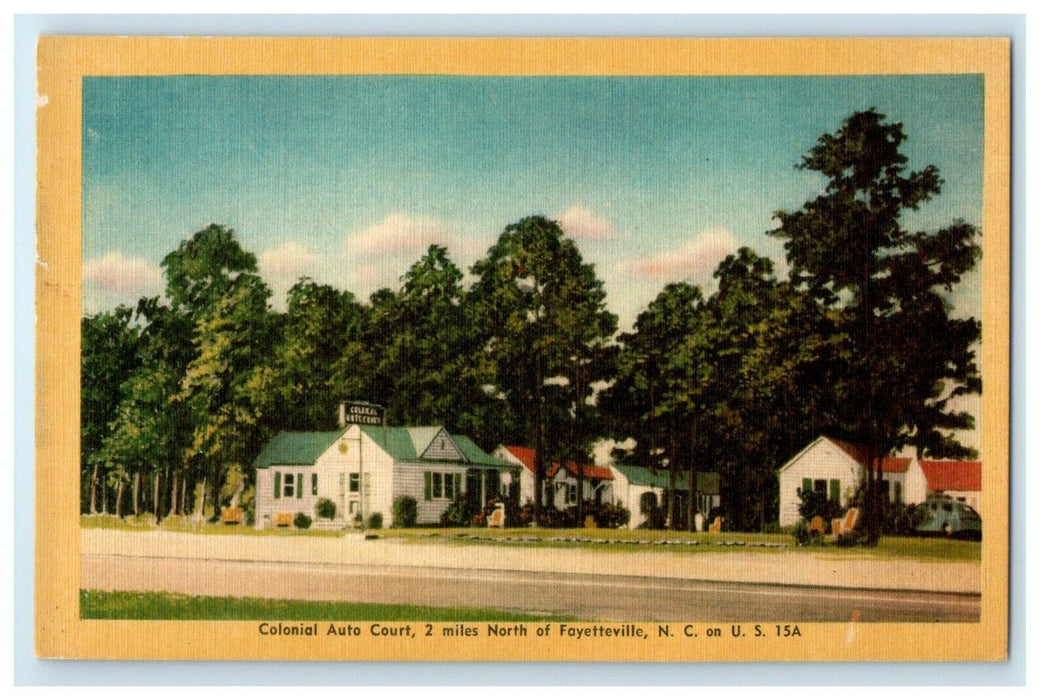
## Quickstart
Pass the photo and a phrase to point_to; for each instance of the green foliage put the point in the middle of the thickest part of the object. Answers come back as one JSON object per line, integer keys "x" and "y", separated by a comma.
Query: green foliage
{"x": 247, "y": 502}
{"x": 302, "y": 521}
{"x": 813, "y": 504}
{"x": 457, "y": 514}
{"x": 405, "y": 511}
{"x": 374, "y": 521}
{"x": 325, "y": 509}
{"x": 121, "y": 605}
{"x": 801, "y": 533}
{"x": 547, "y": 336}
{"x": 606, "y": 514}
{"x": 849, "y": 248}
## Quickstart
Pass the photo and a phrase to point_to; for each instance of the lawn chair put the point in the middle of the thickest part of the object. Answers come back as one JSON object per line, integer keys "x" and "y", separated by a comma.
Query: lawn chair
{"x": 497, "y": 516}
{"x": 716, "y": 525}
{"x": 846, "y": 524}
{"x": 232, "y": 515}
{"x": 284, "y": 519}
{"x": 817, "y": 525}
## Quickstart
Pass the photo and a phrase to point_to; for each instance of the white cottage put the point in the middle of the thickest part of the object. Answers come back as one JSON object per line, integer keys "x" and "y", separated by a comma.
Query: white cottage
{"x": 631, "y": 483}
{"x": 561, "y": 484}
{"x": 365, "y": 468}
{"x": 835, "y": 468}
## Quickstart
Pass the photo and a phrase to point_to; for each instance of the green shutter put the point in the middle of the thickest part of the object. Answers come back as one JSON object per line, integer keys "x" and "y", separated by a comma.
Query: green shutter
{"x": 834, "y": 490}
{"x": 314, "y": 484}
{"x": 298, "y": 484}
{"x": 457, "y": 485}
{"x": 276, "y": 485}
{"x": 428, "y": 486}
{"x": 808, "y": 485}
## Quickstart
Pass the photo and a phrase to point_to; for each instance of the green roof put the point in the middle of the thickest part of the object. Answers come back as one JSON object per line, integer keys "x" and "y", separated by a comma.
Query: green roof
{"x": 295, "y": 448}
{"x": 402, "y": 444}
{"x": 707, "y": 482}
{"x": 475, "y": 455}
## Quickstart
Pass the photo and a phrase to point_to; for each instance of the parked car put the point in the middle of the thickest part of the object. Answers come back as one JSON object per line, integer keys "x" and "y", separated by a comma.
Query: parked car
{"x": 944, "y": 517}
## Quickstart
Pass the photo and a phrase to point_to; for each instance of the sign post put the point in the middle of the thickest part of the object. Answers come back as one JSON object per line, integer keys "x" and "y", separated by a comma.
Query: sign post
{"x": 361, "y": 413}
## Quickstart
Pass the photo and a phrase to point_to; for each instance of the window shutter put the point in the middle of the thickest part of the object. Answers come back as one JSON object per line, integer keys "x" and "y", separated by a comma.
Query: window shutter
{"x": 807, "y": 485}
{"x": 276, "y": 485}
{"x": 298, "y": 485}
{"x": 457, "y": 485}
{"x": 834, "y": 490}
{"x": 428, "y": 486}
{"x": 314, "y": 484}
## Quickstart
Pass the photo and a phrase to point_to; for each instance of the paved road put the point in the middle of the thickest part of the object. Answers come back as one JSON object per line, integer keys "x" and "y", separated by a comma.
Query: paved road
{"x": 585, "y": 596}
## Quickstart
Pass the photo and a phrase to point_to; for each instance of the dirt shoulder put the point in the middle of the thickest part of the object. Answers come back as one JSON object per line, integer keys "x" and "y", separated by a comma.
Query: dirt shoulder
{"x": 800, "y": 568}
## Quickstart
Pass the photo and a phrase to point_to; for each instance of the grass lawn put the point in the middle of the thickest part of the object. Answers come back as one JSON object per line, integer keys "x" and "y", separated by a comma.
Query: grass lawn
{"x": 932, "y": 549}
{"x": 925, "y": 549}
{"x": 146, "y": 523}
{"x": 122, "y": 605}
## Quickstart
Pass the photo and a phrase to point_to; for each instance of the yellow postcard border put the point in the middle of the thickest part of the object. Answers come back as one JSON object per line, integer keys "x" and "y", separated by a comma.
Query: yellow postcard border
{"x": 63, "y": 61}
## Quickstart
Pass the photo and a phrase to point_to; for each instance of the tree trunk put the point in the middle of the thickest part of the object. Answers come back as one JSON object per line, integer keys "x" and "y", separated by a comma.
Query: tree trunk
{"x": 199, "y": 505}
{"x": 156, "y": 496}
{"x": 216, "y": 497}
{"x": 674, "y": 453}
{"x": 135, "y": 492}
{"x": 184, "y": 501}
{"x": 119, "y": 499}
{"x": 692, "y": 477}
{"x": 173, "y": 510}
{"x": 94, "y": 488}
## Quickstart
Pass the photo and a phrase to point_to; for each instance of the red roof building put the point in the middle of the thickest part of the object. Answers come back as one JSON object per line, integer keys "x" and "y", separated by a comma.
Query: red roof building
{"x": 952, "y": 476}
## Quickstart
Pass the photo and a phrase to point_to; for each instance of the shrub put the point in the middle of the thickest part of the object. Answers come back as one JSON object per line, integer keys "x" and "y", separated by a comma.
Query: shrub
{"x": 801, "y": 534}
{"x": 456, "y": 515}
{"x": 812, "y": 504}
{"x": 846, "y": 539}
{"x": 302, "y": 521}
{"x": 325, "y": 509}
{"x": 605, "y": 514}
{"x": 374, "y": 521}
{"x": 405, "y": 512}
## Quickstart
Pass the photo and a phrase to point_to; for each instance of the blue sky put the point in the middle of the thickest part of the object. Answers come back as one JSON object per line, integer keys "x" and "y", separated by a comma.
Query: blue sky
{"x": 348, "y": 179}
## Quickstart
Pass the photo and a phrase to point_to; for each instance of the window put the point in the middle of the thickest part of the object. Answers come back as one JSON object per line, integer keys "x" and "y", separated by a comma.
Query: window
{"x": 354, "y": 483}
{"x": 897, "y": 492}
{"x": 834, "y": 490}
{"x": 289, "y": 485}
{"x": 821, "y": 487}
{"x": 314, "y": 484}
{"x": 572, "y": 493}
{"x": 441, "y": 486}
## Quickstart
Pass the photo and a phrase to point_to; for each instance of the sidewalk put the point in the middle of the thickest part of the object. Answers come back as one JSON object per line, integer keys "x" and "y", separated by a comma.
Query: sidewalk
{"x": 797, "y": 568}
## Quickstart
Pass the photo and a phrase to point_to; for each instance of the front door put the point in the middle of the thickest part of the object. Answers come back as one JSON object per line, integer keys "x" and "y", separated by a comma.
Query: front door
{"x": 473, "y": 496}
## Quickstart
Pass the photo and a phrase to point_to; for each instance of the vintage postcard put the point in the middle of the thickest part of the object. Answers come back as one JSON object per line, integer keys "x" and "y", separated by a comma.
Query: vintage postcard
{"x": 522, "y": 349}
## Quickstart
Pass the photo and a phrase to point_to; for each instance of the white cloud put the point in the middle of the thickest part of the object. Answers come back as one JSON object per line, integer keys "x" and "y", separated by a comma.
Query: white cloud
{"x": 116, "y": 278}
{"x": 116, "y": 272}
{"x": 397, "y": 234}
{"x": 582, "y": 223}
{"x": 696, "y": 259}
{"x": 380, "y": 254}
{"x": 290, "y": 259}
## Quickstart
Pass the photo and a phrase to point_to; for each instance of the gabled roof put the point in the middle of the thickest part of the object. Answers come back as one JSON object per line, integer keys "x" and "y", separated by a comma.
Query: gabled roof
{"x": 526, "y": 457}
{"x": 402, "y": 444}
{"x": 707, "y": 482}
{"x": 295, "y": 448}
{"x": 891, "y": 465}
{"x": 475, "y": 455}
{"x": 952, "y": 476}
